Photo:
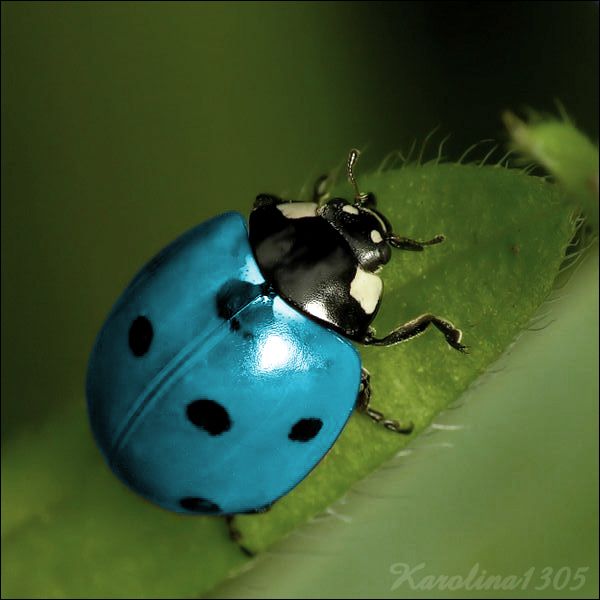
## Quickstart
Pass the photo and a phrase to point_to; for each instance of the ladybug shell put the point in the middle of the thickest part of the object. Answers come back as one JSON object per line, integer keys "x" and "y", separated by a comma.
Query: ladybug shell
{"x": 206, "y": 394}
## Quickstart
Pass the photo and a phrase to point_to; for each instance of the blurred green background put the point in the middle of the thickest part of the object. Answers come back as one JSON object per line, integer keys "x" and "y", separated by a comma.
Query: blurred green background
{"x": 124, "y": 124}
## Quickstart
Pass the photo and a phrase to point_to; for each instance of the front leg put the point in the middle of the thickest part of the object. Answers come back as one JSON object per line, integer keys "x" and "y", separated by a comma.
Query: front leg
{"x": 363, "y": 404}
{"x": 416, "y": 327}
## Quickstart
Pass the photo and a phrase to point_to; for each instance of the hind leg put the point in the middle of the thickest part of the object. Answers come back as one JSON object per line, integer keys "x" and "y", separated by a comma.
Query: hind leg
{"x": 235, "y": 535}
{"x": 363, "y": 404}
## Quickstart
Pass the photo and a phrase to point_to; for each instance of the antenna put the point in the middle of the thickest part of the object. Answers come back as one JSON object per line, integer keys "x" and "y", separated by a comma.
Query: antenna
{"x": 352, "y": 160}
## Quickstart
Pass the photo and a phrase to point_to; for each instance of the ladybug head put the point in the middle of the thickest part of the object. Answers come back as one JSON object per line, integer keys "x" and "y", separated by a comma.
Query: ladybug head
{"x": 367, "y": 231}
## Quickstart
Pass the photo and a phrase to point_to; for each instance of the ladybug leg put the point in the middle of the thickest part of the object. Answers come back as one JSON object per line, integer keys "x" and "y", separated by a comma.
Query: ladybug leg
{"x": 363, "y": 404}
{"x": 235, "y": 535}
{"x": 416, "y": 327}
{"x": 403, "y": 243}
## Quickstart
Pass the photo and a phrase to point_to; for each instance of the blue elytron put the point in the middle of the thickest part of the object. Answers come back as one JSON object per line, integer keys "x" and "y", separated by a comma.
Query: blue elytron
{"x": 226, "y": 370}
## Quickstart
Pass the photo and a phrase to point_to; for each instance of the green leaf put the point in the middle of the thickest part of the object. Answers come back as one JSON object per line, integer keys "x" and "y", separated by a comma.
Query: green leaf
{"x": 70, "y": 529}
{"x": 565, "y": 152}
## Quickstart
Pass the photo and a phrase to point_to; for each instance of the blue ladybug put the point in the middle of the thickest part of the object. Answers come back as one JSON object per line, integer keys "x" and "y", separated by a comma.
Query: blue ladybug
{"x": 226, "y": 370}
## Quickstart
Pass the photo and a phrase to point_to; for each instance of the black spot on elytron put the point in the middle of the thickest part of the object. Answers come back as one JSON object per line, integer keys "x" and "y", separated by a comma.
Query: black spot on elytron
{"x": 234, "y": 324}
{"x": 140, "y": 336}
{"x": 233, "y": 295}
{"x": 199, "y": 505}
{"x": 305, "y": 430}
{"x": 209, "y": 415}
{"x": 248, "y": 335}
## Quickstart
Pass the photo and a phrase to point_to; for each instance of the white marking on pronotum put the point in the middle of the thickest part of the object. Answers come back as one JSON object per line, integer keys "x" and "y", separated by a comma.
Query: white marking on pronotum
{"x": 298, "y": 210}
{"x": 376, "y": 237}
{"x": 350, "y": 209}
{"x": 366, "y": 290}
